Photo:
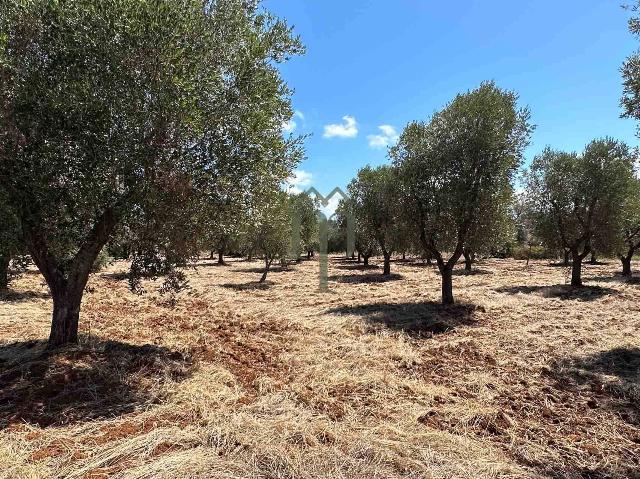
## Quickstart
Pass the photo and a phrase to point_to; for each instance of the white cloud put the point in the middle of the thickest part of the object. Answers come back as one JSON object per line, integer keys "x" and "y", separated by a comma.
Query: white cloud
{"x": 299, "y": 179}
{"x": 347, "y": 129}
{"x": 289, "y": 126}
{"x": 387, "y": 137}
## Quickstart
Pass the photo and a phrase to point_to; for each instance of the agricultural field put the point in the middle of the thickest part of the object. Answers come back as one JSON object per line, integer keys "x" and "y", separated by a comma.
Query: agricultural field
{"x": 524, "y": 377}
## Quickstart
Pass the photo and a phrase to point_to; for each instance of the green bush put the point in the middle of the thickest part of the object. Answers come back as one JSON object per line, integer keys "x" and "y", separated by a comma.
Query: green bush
{"x": 102, "y": 261}
{"x": 533, "y": 252}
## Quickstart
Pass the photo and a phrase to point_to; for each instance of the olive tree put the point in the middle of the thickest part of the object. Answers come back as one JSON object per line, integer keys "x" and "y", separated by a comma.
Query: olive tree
{"x": 305, "y": 210}
{"x": 110, "y": 110}
{"x": 494, "y": 229}
{"x": 579, "y": 198}
{"x": 628, "y": 234}
{"x": 270, "y": 228}
{"x": 455, "y": 165}
{"x": 376, "y": 198}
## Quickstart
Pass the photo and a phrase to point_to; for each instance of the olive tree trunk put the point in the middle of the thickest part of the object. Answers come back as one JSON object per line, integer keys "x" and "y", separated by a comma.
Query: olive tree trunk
{"x": 447, "y": 284}
{"x": 626, "y": 265}
{"x": 576, "y": 270}
{"x": 626, "y": 260}
{"x": 468, "y": 260}
{"x": 66, "y": 316}
{"x": 386, "y": 270}
{"x": 67, "y": 281}
{"x": 365, "y": 259}
{"x": 220, "y": 256}
{"x": 4, "y": 272}
{"x": 267, "y": 266}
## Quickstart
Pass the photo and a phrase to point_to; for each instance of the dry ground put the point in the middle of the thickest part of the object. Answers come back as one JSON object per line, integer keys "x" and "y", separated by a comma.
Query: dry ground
{"x": 523, "y": 378}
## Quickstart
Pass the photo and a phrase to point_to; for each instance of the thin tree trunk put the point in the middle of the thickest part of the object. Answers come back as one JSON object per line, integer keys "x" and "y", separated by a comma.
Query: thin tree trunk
{"x": 468, "y": 260}
{"x": 593, "y": 259}
{"x": 576, "y": 269}
{"x": 566, "y": 257}
{"x": 429, "y": 260}
{"x": 386, "y": 271}
{"x": 4, "y": 272}
{"x": 359, "y": 257}
{"x": 447, "y": 284}
{"x": 220, "y": 256}
{"x": 366, "y": 260}
{"x": 211, "y": 256}
{"x": 267, "y": 265}
{"x": 404, "y": 255}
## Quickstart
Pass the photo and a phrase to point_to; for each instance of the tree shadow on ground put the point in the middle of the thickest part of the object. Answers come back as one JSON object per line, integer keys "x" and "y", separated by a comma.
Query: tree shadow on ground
{"x": 612, "y": 379}
{"x": 342, "y": 260}
{"x": 473, "y": 272}
{"x": 11, "y": 296}
{"x": 616, "y": 278}
{"x": 82, "y": 383}
{"x": 273, "y": 269}
{"x": 249, "y": 286}
{"x": 364, "y": 278}
{"x": 116, "y": 276}
{"x": 418, "y": 320}
{"x": 561, "y": 291}
{"x": 422, "y": 264}
{"x": 357, "y": 267}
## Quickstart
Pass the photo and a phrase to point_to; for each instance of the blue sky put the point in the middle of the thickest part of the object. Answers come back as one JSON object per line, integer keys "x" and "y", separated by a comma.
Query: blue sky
{"x": 385, "y": 63}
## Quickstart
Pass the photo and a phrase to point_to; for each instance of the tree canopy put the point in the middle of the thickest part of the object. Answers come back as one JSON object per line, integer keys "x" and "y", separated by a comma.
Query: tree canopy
{"x": 577, "y": 198}
{"x": 126, "y": 112}
{"x": 456, "y": 167}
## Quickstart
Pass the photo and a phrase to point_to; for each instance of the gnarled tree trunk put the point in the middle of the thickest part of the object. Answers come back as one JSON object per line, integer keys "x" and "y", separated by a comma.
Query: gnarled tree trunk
{"x": 66, "y": 316}
{"x": 220, "y": 256}
{"x": 626, "y": 265}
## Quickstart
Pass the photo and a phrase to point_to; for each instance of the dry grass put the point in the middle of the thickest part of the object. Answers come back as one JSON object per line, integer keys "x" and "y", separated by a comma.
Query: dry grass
{"x": 523, "y": 378}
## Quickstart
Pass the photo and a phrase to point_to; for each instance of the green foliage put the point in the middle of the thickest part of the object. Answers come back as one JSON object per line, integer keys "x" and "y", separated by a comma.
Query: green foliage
{"x": 102, "y": 261}
{"x": 268, "y": 229}
{"x": 375, "y": 195}
{"x": 531, "y": 252}
{"x": 127, "y": 113}
{"x": 306, "y": 210}
{"x": 457, "y": 170}
{"x": 577, "y": 200}
{"x": 630, "y": 101}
